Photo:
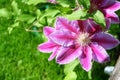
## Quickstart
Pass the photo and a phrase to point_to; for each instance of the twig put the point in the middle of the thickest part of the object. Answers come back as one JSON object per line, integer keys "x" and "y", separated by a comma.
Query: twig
{"x": 28, "y": 30}
{"x": 77, "y": 3}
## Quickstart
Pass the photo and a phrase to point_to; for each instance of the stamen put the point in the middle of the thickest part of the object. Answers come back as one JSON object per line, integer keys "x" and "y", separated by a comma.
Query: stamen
{"x": 83, "y": 39}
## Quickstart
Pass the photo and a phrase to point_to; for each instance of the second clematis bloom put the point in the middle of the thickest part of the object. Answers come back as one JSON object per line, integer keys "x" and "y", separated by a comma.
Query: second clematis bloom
{"x": 107, "y": 7}
{"x": 52, "y": 1}
{"x": 79, "y": 39}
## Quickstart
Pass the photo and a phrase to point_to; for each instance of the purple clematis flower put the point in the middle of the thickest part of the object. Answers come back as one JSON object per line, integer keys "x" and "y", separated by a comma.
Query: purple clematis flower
{"x": 82, "y": 39}
{"x": 107, "y": 7}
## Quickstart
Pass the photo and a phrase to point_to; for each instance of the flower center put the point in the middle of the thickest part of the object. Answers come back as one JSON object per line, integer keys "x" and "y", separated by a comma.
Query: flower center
{"x": 83, "y": 39}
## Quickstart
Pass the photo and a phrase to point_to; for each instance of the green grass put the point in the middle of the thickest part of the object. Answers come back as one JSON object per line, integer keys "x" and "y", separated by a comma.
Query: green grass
{"x": 20, "y": 59}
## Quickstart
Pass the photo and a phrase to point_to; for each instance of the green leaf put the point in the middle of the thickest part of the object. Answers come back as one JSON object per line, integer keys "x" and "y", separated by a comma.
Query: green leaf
{"x": 84, "y": 3}
{"x": 35, "y": 2}
{"x": 66, "y": 3}
{"x": 62, "y": 9}
{"x": 48, "y": 16}
{"x": 90, "y": 74}
{"x": 51, "y": 12}
{"x": 99, "y": 18}
{"x": 50, "y": 20}
{"x": 38, "y": 13}
{"x": 70, "y": 67}
{"x": 71, "y": 76}
{"x": 37, "y": 24}
{"x": 16, "y": 24}
{"x": 4, "y": 12}
{"x": 26, "y": 18}
{"x": 15, "y": 8}
{"x": 76, "y": 15}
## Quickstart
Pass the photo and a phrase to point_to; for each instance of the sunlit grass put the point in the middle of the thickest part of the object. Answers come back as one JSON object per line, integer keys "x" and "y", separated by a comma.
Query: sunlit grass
{"x": 20, "y": 59}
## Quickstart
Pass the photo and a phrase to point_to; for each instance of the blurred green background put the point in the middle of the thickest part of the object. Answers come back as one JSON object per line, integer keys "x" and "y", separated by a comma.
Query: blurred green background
{"x": 19, "y": 57}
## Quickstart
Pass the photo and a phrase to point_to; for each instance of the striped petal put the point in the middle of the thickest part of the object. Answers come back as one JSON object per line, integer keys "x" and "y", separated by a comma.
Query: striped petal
{"x": 62, "y": 38}
{"x": 48, "y": 30}
{"x": 106, "y": 40}
{"x": 47, "y": 47}
{"x": 99, "y": 53}
{"x": 62, "y": 23}
{"x": 67, "y": 55}
{"x": 55, "y": 51}
{"x": 85, "y": 58}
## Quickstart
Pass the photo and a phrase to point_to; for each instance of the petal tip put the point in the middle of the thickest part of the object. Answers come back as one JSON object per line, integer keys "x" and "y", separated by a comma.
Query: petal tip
{"x": 39, "y": 47}
{"x": 106, "y": 60}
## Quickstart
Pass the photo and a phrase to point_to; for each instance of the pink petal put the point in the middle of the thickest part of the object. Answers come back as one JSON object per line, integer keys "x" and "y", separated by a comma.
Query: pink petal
{"x": 62, "y": 38}
{"x": 85, "y": 58}
{"x": 113, "y": 16}
{"x": 114, "y": 7}
{"x": 106, "y": 40}
{"x": 89, "y": 26}
{"x": 66, "y": 55}
{"x": 47, "y": 47}
{"x": 48, "y": 30}
{"x": 72, "y": 26}
{"x": 52, "y": 56}
{"x": 52, "y": 1}
{"x": 99, "y": 53}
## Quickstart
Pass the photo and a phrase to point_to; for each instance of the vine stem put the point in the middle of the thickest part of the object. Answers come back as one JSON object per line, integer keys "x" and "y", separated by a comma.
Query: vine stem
{"x": 77, "y": 3}
{"x": 78, "y": 6}
{"x": 33, "y": 23}
{"x": 28, "y": 30}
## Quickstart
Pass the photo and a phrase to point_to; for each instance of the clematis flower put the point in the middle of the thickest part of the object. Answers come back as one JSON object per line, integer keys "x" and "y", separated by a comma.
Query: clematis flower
{"x": 107, "y": 7}
{"x": 52, "y": 1}
{"x": 82, "y": 39}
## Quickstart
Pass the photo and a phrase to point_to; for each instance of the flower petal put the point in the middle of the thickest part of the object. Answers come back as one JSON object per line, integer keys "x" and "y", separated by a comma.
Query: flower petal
{"x": 66, "y": 55}
{"x": 93, "y": 27}
{"x": 48, "y": 30}
{"x": 108, "y": 22}
{"x": 99, "y": 53}
{"x": 47, "y": 47}
{"x": 85, "y": 58}
{"x": 52, "y": 56}
{"x": 89, "y": 26}
{"x": 62, "y": 23}
{"x": 52, "y": 1}
{"x": 106, "y": 40}
{"x": 62, "y": 38}
{"x": 107, "y": 3}
{"x": 114, "y": 7}
{"x": 111, "y": 15}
